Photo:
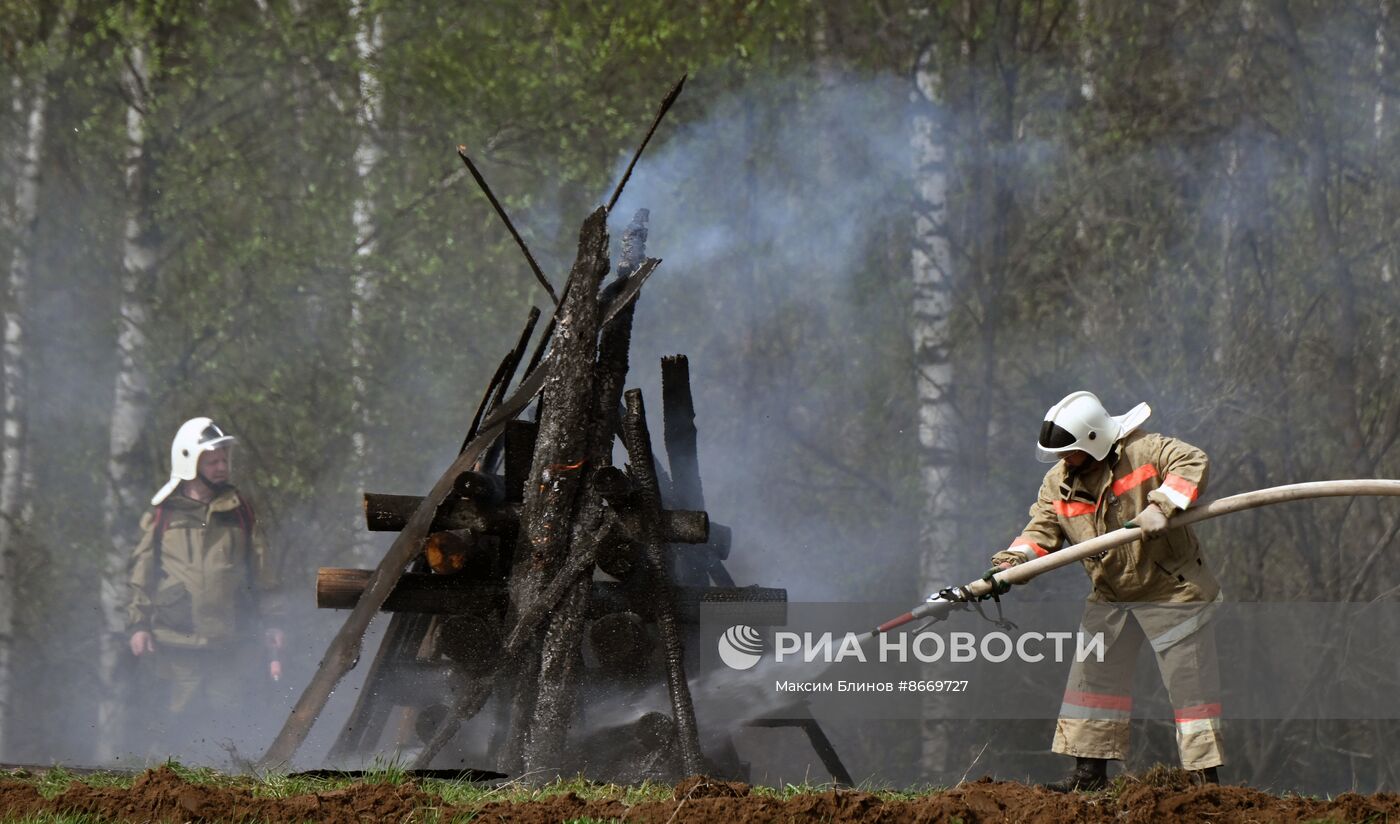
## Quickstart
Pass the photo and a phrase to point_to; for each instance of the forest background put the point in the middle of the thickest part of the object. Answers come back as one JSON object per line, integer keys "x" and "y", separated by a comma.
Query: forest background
{"x": 894, "y": 232}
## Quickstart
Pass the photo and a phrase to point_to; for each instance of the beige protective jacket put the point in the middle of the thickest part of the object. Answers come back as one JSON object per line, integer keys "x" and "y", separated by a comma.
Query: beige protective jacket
{"x": 202, "y": 575}
{"x": 1142, "y": 469}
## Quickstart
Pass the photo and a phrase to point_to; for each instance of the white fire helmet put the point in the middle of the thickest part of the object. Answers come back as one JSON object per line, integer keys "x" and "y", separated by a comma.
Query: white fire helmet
{"x": 196, "y": 436}
{"x": 1079, "y": 422}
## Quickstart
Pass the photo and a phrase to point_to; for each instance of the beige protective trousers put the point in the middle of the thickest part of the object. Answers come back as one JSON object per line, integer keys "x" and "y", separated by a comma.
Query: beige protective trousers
{"x": 1098, "y": 699}
{"x": 204, "y": 684}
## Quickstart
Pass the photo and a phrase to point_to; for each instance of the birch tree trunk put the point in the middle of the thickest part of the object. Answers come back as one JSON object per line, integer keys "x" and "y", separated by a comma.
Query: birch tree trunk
{"x": 1088, "y": 82}
{"x": 1378, "y": 66}
{"x": 368, "y": 153}
{"x": 130, "y": 402}
{"x": 931, "y": 263}
{"x": 1228, "y": 307}
{"x": 932, "y": 266}
{"x": 1378, "y": 112}
{"x": 30, "y": 106}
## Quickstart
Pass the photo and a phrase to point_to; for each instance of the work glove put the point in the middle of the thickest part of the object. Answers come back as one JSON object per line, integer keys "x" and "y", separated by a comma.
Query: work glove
{"x": 1007, "y": 559}
{"x": 1151, "y": 521}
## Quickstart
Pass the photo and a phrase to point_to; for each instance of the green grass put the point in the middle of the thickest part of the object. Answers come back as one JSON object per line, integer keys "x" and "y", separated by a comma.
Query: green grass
{"x": 463, "y": 794}
{"x": 883, "y": 793}
{"x": 55, "y": 818}
{"x": 466, "y": 797}
{"x": 52, "y": 782}
{"x": 459, "y": 794}
{"x": 453, "y": 793}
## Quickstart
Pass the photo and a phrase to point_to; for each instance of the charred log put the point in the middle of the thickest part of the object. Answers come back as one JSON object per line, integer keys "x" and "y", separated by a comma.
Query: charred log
{"x": 480, "y": 488}
{"x": 462, "y": 551}
{"x": 340, "y": 588}
{"x": 428, "y": 720}
{"x": 721, "y": 540}
{"x": 472, "y": 640}
{"x": 640, "y": 750}
{"x": 549, "y": 507}
{"x": 621, "y": 643}
{"x": 519, "y": 444}
{"x": 638, "y": 442}
{"x": 613, "y": 484}
{"x": 388, "y": 513}
{"x": 680, "y": 437}
{"x": 619, "y": 558}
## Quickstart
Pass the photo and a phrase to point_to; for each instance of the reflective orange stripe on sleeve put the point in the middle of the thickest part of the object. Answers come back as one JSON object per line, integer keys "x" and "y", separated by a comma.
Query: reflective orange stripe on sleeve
{"x": 1026, "y": 543}
{"x": 1070, "y": 509}
{"x": 1134, "y": 479}
{"x": 1180, "y": 484}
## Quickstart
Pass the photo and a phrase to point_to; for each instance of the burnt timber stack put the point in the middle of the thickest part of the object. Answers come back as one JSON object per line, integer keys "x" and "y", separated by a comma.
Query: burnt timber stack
{"x": 536, "y": 577}
{"x": 523, "y": 533}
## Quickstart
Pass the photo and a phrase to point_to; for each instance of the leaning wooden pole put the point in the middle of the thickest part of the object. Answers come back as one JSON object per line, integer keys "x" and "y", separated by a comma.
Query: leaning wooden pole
{"x": 345, "y": 649}
{"x": 637, "y": 439}
{"x": 1021, "y": 573}
{"x": 500, "y": 381}
{"x": 505, "y": 218}
{"x": 665, "y": 107}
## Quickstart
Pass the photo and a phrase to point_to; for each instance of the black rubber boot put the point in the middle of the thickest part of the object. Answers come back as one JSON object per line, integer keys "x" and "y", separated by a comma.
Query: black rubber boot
{"x": 1201, "y": 778}
{"x": 1089, "y": 774}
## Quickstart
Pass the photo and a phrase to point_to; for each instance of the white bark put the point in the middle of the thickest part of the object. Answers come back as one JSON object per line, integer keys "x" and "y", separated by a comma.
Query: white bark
{"x": 1378, "y": 113}
{"x": 368, "y": 41}
{"x": 1226, "y": 310}
{"x": 931, "y": 263}
{"x": 130, "y": 401}
{"x": 30, "y": 106}
{"x": 1088, "y": 83}
{"x": 1088, "y": 88}
{"x": 828, "y": 79}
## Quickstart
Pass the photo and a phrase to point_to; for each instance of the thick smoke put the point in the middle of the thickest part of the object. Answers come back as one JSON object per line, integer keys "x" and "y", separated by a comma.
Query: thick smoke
{"x": 766, "y": 242}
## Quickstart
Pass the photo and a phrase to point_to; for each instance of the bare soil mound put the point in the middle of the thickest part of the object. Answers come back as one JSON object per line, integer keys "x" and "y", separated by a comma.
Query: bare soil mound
{"x": 162, "y": 795}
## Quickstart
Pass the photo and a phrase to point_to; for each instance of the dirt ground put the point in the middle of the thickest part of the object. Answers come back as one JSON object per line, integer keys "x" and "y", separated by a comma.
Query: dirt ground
{"x": 162, "y": 795}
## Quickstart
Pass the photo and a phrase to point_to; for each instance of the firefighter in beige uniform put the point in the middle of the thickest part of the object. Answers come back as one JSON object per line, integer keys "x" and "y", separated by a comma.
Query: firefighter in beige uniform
{"x": 203, "y": 586}
{"x": 1108, "y": 474}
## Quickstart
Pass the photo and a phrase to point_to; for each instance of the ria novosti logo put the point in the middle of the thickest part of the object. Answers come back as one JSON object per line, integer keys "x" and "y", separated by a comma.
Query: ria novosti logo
{"x": 740, "y": 647}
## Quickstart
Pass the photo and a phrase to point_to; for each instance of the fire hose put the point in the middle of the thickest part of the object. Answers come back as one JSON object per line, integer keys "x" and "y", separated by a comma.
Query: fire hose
{"x": 943, "y": 602}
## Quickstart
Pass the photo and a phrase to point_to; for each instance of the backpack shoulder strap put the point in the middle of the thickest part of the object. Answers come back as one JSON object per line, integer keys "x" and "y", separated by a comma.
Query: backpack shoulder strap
{"x": 246, "y": 518}
{"x": 157, "y": 536}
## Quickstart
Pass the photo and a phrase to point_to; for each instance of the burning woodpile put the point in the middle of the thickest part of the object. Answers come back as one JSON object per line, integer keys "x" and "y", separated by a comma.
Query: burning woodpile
{"x": 533, "y": 547}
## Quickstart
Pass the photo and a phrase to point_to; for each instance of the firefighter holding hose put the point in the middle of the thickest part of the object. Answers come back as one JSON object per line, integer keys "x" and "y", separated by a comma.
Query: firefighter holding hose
{"x": 204, "y": 606}
{"x": 1109, "y": 474}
